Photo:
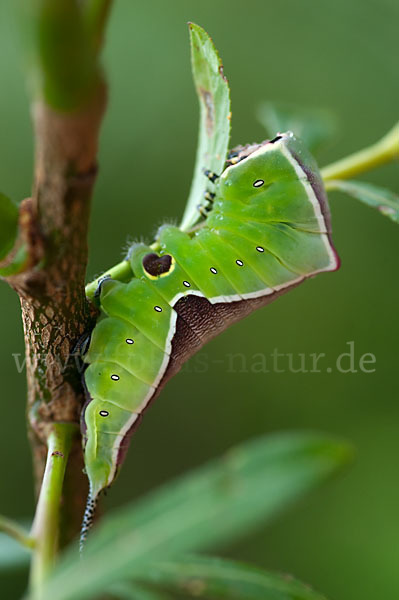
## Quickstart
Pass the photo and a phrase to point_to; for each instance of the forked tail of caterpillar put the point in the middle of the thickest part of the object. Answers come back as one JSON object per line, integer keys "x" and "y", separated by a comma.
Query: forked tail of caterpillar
{"x": 88, "y": 520}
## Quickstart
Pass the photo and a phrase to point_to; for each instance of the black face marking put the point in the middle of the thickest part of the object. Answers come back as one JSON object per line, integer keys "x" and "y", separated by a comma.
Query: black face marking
{"x": 239, "y": 263}
{"x": 156, "y": 265}
{"x": 158, "y": 308}
{"x": 103, "y": 413}
{"x": 115, "y": 377}
{"x": 129, "y": 341}
{"x": 258, "y": 183}
{"x": 186, "y": 283}
{"x": 213, "y": 270}
{"x": 260, "y": 249}
{"x": 276, "y": 139}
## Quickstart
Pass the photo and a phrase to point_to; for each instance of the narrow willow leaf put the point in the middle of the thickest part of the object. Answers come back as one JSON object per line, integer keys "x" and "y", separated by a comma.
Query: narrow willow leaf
{"x": 128, "y": 591}
{"x": 208, "y": 577}
{"x": 385, "y": 201}
{"x": 208, "y": 507}
{"x": 13, "y": 255}
{"x": 8, "y": 225}
{"x": 214, "y": 131}
{"x": 313, "y": 126}
{"x": 17, "y": 262}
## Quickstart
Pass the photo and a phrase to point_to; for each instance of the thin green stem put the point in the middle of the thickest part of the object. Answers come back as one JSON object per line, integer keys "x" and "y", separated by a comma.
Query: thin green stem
{"x": 384, "y": 151}
{"x": 17, "y": 532}
{"x": 45, "y": 527}
{"x": 120, "y": 272}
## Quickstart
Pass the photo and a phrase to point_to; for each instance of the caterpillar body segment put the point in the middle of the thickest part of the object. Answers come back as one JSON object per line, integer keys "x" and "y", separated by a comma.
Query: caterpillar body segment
{"x": 267, "y": 231}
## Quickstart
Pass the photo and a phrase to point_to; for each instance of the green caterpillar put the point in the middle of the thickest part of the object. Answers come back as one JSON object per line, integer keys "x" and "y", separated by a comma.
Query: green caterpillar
{"x": 267, "y": 229}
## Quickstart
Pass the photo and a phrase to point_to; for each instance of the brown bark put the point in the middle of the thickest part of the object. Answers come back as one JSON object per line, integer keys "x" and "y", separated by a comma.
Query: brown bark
{"x": 55, "y": 312}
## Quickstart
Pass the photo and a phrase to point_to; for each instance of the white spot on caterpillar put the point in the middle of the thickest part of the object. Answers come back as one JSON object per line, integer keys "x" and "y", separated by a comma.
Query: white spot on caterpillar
{"x": 129, "y": 341}
{"x": 213, "y": 270}
{"x": 103, "y": 413}
{"x": 157, "y": 308}
{"x": 115, "y": 377}
{"x": 260, "y": 249}
{"x": 258, "y": 183}
{"x": 186, "y": 283}
{"x": 239, "y": 263}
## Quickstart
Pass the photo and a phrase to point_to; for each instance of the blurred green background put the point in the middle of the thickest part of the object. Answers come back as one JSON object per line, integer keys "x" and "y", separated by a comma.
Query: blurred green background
{"x": 339, "y": 55}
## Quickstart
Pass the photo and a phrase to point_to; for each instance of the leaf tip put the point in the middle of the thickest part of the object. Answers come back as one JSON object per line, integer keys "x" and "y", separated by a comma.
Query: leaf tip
{"x": 194, "y": 27}
{"x": 342, "y": 452}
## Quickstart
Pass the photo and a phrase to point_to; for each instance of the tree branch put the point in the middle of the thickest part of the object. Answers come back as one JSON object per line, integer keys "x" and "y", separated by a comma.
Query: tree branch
{"x": 47, "y": 264}
{"x": 54, "y": 308}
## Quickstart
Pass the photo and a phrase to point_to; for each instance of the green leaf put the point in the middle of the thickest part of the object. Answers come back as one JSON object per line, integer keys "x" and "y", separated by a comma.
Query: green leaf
{"x": 128, "y": 591}
{"x": 13, "y": 252}
{"x": 208, "y": 507}
{"x": 312, "y": 126}
{"x": 208, "y": 577}
{"x": 8, "y": 225}
{"x": 214, "y": 98}
{"x": 17, "y": 264}
{"x": 385, "y": 201}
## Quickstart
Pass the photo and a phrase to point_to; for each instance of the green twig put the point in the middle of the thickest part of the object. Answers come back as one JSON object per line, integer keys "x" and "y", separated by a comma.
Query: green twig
{"x": 14, "y": 530}
{"x": 384, "y": 151}
{"x": 46, "y": 523}
{"x": 120, "y": 272}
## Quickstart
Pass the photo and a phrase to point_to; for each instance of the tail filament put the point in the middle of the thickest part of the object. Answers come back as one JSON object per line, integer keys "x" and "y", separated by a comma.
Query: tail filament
{"x": 88, "y": 520}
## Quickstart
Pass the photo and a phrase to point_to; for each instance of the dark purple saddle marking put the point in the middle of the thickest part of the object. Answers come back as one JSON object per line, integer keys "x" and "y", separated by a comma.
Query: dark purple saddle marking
{"x": 156, "y": 265}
